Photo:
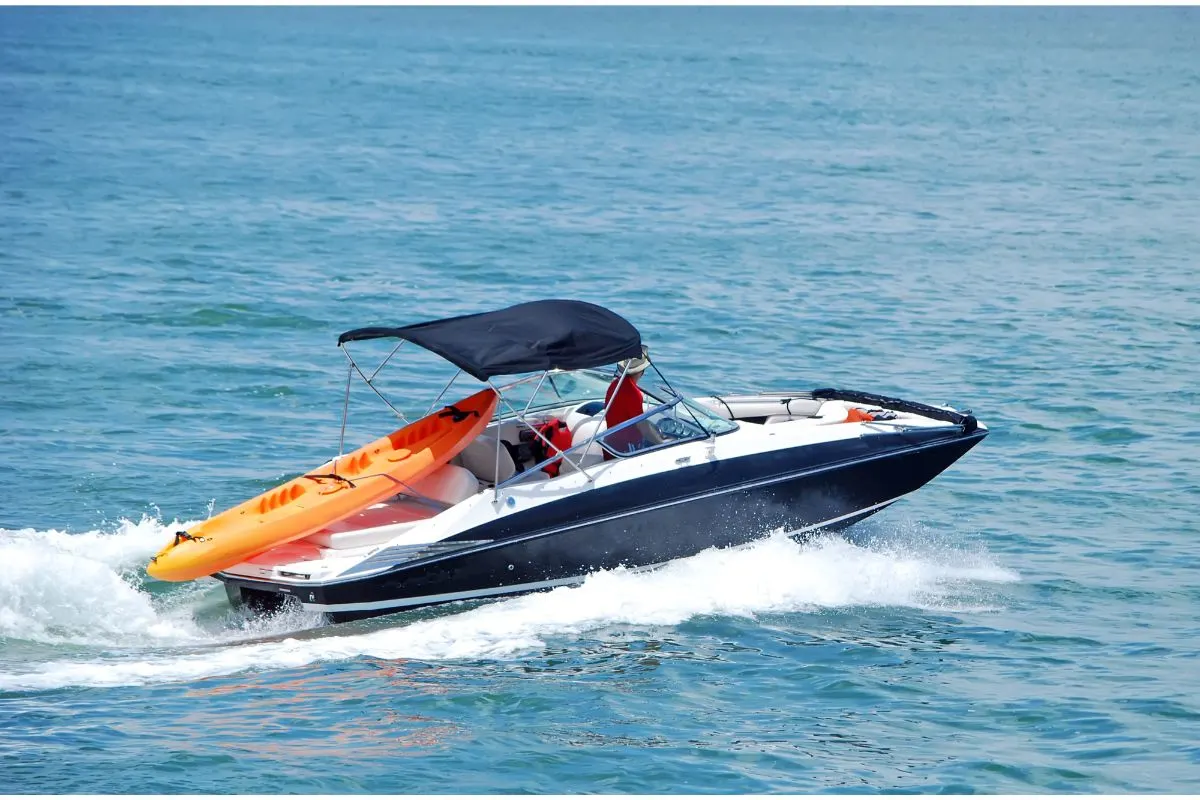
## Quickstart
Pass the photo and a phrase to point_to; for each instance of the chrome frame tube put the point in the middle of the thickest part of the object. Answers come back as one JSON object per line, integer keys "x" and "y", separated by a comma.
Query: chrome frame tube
{"x": 517, "y": 382}
{"x": 708, "y": 434}
{"x": 411, "y": 492}
{"x": 605, "y": 446}
{"x": 520, "y": 418}
{"x": 345, "y": 415}
{"x": 536, "y": 467}
{"x": 536, "y": 389}
{"x": 629, "y": 423}
{"x": 442, "y": 393}
{"x": 386, "y": 360}
{"x": 371, "y": 386}
{"x": 616, "y": 389}
{"x": 496, "y": 471}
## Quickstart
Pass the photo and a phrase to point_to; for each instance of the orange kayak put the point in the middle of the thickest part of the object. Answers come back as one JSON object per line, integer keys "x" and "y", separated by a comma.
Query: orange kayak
{"x": 306, "y": 504}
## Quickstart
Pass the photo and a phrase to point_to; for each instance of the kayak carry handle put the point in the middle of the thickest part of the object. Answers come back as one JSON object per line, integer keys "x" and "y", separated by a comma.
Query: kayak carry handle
{"x": 457, "y": 414}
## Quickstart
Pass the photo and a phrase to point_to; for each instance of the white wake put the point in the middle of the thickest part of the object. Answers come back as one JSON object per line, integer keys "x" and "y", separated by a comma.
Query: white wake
{"x": 89, "y": 589}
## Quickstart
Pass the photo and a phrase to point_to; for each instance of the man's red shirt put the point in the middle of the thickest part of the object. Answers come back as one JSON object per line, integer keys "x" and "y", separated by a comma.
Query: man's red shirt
{"x": 625, "y": 406}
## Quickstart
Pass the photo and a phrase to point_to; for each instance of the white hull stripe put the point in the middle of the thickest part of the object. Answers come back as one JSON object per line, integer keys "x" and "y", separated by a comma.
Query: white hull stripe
{"x": 449, "y": 597}
{"x": 433, "y": 599}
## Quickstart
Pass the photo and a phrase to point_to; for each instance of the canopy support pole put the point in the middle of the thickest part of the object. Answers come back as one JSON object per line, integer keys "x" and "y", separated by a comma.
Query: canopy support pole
{"x": 611, "y": 400}
{"x": 371, "y": 386}
{"x": 536, "y": 389}
{"x": 442, "y": 393}
{"x": 345, "y": 414}
{"x": 520, "y": 418}
{"x": 383, "y": 363}
{"x": 696, "y": 419}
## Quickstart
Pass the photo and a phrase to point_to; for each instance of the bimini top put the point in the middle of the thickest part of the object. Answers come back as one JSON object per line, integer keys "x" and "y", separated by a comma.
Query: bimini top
{"x": 529, "y": 337}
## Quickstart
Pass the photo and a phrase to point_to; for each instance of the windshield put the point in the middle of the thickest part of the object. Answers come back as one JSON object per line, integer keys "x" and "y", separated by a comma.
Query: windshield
{"x": 565, "y": 388}
{"x": 711, "y": 422}
{"x": 670, "y": 419}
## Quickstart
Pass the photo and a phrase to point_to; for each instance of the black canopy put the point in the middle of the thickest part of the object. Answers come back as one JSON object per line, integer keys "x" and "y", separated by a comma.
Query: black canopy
{"x": 529, "y": 337}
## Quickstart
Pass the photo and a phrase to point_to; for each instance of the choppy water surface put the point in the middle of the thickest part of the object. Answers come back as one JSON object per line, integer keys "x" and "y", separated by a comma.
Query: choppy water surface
{"x": 993, "y": 208}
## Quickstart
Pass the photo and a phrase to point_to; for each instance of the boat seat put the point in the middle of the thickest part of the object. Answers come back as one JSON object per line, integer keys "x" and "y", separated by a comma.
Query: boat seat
{"x": 833, "y": 412}
{"x": 584, "y": 412}
{"x": 449, "y": 484}
{"x": 479, "y": 457}
{"x": 380, "y": 523}
{"x": 593, "y": 453}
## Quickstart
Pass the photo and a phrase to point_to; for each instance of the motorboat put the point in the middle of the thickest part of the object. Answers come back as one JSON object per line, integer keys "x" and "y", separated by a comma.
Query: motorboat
{"x": 554, "y": 488}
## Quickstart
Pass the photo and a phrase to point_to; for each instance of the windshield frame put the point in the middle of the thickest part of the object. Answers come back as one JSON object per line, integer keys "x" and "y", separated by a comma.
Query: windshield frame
{"x": 722, "y": 427}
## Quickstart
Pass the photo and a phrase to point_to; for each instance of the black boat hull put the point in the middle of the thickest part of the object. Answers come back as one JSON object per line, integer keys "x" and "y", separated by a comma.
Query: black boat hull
{"x": 644, "y": 522}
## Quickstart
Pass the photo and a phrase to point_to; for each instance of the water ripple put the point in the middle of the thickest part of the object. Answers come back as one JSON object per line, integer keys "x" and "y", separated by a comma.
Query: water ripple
{"x": 993, "y": 208}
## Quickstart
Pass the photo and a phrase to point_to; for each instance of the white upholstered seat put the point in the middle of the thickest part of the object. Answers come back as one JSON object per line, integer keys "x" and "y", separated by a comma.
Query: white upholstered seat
{"x": 593, "y": 453}
{"x": 448, "y": 484}
{"x": 480, "y": 458}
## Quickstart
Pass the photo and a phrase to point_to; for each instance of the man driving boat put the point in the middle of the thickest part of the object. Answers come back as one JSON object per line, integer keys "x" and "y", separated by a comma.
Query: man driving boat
{"x": 624, "y": 400}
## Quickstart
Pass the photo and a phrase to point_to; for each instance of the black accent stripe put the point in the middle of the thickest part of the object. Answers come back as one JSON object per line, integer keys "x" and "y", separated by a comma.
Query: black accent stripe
{"x": 969, "y": 423}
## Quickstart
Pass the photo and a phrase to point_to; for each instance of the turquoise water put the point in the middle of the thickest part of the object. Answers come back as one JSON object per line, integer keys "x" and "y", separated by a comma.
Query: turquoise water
{"x": 992, "y": 208}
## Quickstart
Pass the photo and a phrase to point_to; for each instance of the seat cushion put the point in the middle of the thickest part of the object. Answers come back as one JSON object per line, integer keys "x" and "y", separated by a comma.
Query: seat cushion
{"x": 480, "y": 458}
{"x": 593, "y": 453}
{"x": 380, "y": 523}
{"x": 449, "y": 484}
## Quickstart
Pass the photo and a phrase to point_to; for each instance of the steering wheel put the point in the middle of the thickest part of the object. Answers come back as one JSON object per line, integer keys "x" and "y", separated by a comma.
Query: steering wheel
{"x": 670, "y": 428}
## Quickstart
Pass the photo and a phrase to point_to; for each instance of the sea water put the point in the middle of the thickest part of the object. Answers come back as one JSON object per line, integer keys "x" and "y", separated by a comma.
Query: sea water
{"x": 991, "y": 208}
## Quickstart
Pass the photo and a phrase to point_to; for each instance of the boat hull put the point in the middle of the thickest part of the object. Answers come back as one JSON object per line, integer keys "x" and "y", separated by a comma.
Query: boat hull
{"x": 642, "y": 523}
